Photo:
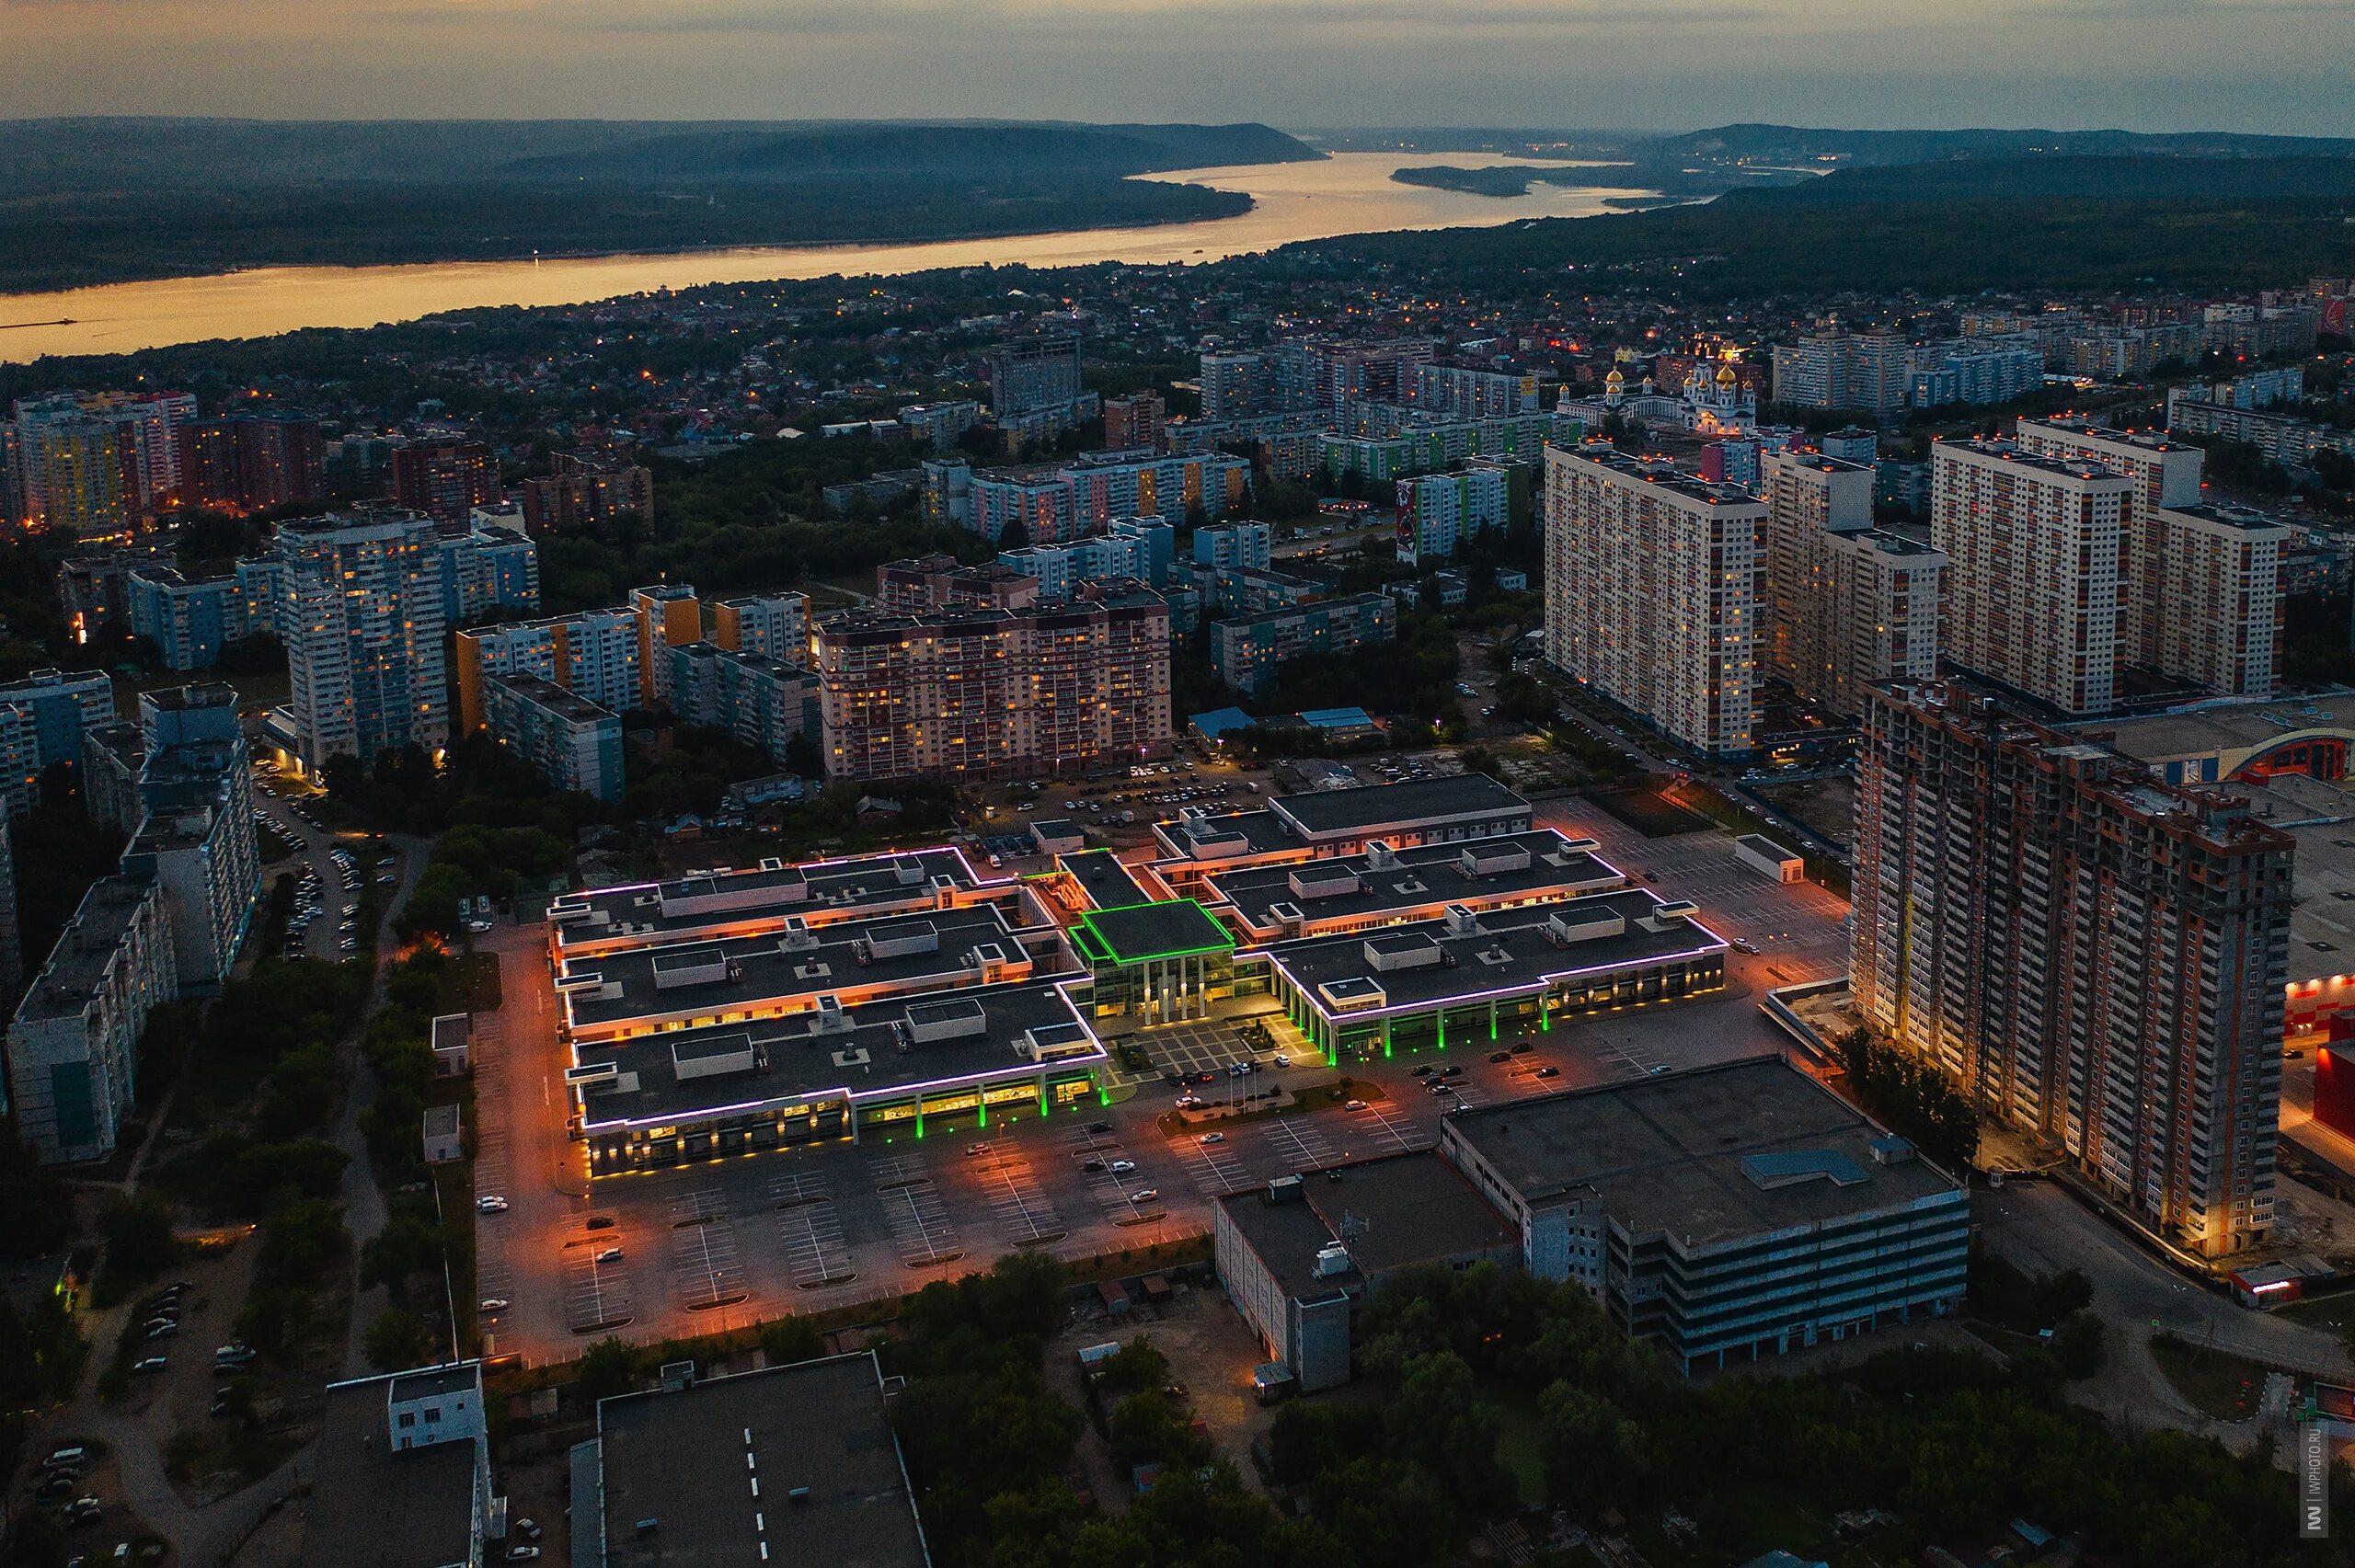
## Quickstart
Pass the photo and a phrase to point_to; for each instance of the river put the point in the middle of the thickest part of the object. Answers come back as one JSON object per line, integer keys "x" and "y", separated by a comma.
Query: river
{"x": 1345, "y": 194}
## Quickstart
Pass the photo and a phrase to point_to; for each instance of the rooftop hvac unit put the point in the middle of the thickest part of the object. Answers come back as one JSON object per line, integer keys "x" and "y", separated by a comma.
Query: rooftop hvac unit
{"x": 908, "y": 870}
{"x": 1332, "y": 1259}
{"x": 1461, "y": 921}
{"x": 772, "y": 863}
{"x": 1380, "y": 857}
{"x": 832, "y": 1018}
{"x": 798, "y": 937}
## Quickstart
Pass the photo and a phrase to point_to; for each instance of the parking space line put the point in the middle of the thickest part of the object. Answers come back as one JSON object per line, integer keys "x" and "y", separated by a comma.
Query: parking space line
{"x": 1020, "y": 1206}
{"x": 708, "y": 1273}
{"x": 1301, "y": 1148}
{"x": 814, "y": 1247}
{"x": 914, "y": 1211}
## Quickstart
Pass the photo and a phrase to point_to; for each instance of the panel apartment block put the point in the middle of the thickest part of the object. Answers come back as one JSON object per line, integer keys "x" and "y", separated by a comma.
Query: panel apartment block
{"x": 1847, "y": 605}
{"x": 2040, "y": 563}
{"x": 1653, "y": 583}
{"x": 994, "y": 693}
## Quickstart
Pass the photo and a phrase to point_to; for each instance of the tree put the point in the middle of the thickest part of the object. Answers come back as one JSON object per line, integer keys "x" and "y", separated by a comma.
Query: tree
{"x": 608, "y": 1367}
{"x": 137, "y": 1229}
{"x": 397, "y": 1339}
{"x": 404, "y": 1249}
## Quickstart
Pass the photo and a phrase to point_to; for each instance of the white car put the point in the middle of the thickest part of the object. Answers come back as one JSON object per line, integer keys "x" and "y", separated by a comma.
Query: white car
{"x": 492, "y": 1304}
{"x": 1122, "y": 1167}
{"x": 1144, "y": 1195}
{"x": 1211, "y": 1137}
{"x": 490, "y": 1202}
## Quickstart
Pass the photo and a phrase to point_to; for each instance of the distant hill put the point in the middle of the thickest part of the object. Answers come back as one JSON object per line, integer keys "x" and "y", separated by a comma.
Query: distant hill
{"x": 103, "y": 200}
{"x": 40, "y": 156}
{"x": 1950, "y": 228}
{"x": 2167, "y": 179}
{"x": 1800, "y": 144}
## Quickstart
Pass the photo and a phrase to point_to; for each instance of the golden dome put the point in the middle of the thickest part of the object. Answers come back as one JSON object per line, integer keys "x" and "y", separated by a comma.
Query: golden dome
{"x": 1726, "y": 376}
{"x": 1615, "y": 379}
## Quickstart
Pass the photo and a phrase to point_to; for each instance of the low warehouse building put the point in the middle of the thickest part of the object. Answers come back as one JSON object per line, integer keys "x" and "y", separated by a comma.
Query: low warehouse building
{"x": 1300, "y": 1257}
{"x": 1736, "y": 1209}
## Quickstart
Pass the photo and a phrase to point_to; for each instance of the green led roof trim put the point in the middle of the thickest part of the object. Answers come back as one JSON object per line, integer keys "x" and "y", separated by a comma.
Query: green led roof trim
{"x": 1138, "y": 934}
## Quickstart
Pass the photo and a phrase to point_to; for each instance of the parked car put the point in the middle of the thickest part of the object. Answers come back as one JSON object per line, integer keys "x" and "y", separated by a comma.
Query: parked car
{"x": 971, "y": 1149}
{"x": 1524, "y": 1048}
{"x": 490, "y": 1202}
{"x": 1548, "y": 1072}
{"x": 1354, "y": 1105}
{"x": 1091, "y": 1165}
{"x": 529, "y": 1529}
{"x": 492, "y": 1304}
{"x": 149, "y": 1364}
{"x": 1099, "y": 1127}
{"x": 1122, "y": 1167}
{"x": 600, "y": 1222}
{"x": 1211, "y": 1137}
{"x": 611, "y": 1254}
{"x": 523, "y": 1553}
{"x": 1423, "y": 1072}
{"x": 1144, "y": 1195}
{"x": 1495, "y": 1057}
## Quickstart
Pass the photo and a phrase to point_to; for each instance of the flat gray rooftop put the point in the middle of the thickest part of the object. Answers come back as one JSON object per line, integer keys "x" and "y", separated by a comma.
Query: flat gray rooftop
{"x": 766, "y": 972}
{"x": 1509, "y": 952}
{"x": 2227, "y": 729}
{"x": 1424, "y": 876}
{"x": 826, "y": 888}
{"x": 79, "y": 961}
{"x": 1668, "y": 1154}
{"x": 790, "y": 1061}
{"x": 1404, "y": 1209}
{"x": 1102, "y": 877}
{"x": 372, "y": 1506}
{"x": 1338, "y": 813}
{"x": 683, "y": 1463}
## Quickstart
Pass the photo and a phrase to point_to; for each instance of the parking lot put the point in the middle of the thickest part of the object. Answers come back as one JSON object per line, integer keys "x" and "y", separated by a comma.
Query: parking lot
{"x": 748, "y": 1237}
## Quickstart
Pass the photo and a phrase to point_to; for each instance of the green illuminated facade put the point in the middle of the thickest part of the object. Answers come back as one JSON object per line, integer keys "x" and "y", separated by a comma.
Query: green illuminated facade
{"x": 1155, "y": 963}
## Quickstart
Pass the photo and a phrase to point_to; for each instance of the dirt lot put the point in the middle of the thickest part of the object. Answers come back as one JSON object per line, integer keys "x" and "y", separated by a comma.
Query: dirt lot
{"x": 1828, "y": 805}
{"x": 1211, "y": 1350}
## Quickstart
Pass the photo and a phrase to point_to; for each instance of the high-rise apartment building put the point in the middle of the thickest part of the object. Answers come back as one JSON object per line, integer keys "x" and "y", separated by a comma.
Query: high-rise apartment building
{"x": 74, "y": 1045}
{"x": 1846, "y": 604}
{"x": 987, "y": 692}
{"x": 1654, "y": 592}
{"x": 42, "y": 719}
{"x": 2097, "y": 958}
{"x": 568, "y": 740}
{"x": 1251, "y": 650}
{"x": 593, "y": 654}
{"x": 188, "y": 621}
{"x": 776, "y": 624}
{"x": 1141, "y": 548}
{"x": 445, "y": 479}
{"x": 1439, "y": 511}
{"x": 2039, "y": 564}
{"x": 1871, "y": 371}
{"x": 669, "y": 615}
{"x": 2203, "y": 601}
{"x": 1136, "y": 420}
{"x": 763, "y": 701}
{"x": 1034, "y": 374}
{"x": 245, "y": 463}
{"x": 73, "y": 471}
{"x": 1235, "y": 546}
{"x": 587, "y": 488}
{"x": 1461, "y": 391}
{"x": 362, "y": 620}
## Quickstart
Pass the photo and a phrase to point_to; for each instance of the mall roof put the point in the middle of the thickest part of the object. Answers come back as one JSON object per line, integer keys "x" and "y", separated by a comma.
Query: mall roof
{"x": 1102, "y": 877}
{"x": 1369, "y": 809}
{"x": 879, "y": 1050}
{"x": 940, "y": 946}
{"x": 1346, "y": 886}
{"x": 1714, "y": 1155}
{"x": 1506, "y": 952}
{"x": 795, "y": 1467}
{"x": 825, "y": 887}
{"x": 1142, "y": 932}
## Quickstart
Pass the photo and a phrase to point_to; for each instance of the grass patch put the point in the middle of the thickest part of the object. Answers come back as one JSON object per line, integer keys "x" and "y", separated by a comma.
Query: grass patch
{"x": 477, "y": 984}
{"x": 1519, "y": 1447}
{"x": 2216, "y": 1383}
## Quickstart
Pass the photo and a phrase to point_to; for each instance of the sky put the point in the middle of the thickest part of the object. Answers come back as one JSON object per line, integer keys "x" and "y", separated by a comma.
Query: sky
{"x": 2270, "y": 66}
